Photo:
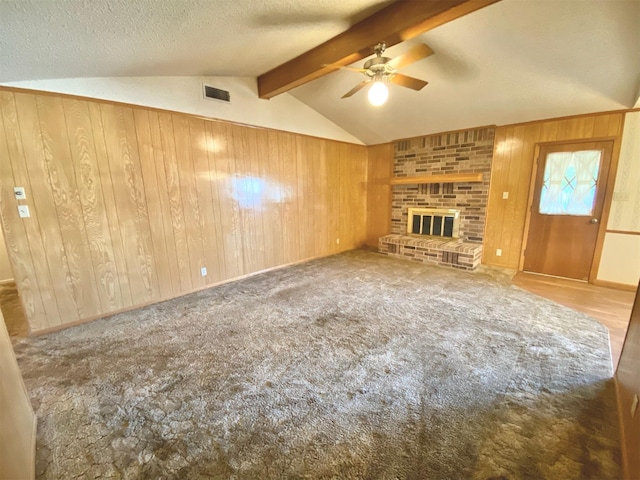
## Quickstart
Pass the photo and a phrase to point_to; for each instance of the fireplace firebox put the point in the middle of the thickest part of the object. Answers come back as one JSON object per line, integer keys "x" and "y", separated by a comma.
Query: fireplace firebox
{"x": 436, "y": 222}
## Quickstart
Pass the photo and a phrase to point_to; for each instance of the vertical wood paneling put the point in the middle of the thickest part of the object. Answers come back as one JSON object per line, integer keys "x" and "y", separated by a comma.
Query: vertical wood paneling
{"x": 127, "y": 204}
{"x": 273, "y": 207}
{"x": 16, "y": 239}
{"x": 332, "y": 170}
{"x": 230, "y": 209}
{"x": 64, "y": 191}
{"x": 154, "y": 204}
{"x": 176, "y": 212}
{"x": 512, "y": 170}
{"x": 303, "y": 194}
{"x": 18, "y": 432}
{"x": 165, "y": 202}
{"x": 246, "y": 193}
{"x": 96, "y": 224}
{"x": 499, "y": 174}
{"x": 32, "y": 168}
{"x": 628, "y": 387}
{"x": 129, "y": 195}
{"x": 288, "y": 185}
{"x": 356, "y": 200}
{"x": 189, "y": 196}
{"x": 204, "y": 179}
{"x": 322, "y": 209}
{"x": 108, "y": 193}
{"x": 380, "y": 171}
{"x": 215, "y": 144}
{"x": 523, "y": 183}
{"x": 601, "y": 126}
{"x": 514, "y": 178}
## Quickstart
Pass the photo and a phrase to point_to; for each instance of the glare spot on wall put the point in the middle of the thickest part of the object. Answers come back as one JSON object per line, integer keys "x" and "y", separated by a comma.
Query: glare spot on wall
{"x": 255, "y": 193}
{"x": 249, "y": 192}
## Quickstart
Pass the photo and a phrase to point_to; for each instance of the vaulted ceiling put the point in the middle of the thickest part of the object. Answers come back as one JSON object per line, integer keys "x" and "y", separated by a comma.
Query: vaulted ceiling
{"x": 513, "y": 61}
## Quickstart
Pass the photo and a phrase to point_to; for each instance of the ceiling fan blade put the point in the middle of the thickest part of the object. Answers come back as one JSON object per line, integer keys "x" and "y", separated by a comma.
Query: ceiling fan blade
{"x": 357, "y": 88}
{"x": 413, "y": 55}
{"x": 409, "y": 82}
{"x": 353, "y": 69}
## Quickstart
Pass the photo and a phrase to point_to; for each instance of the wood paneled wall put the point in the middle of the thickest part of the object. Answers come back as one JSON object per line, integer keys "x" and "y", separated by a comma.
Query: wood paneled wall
{"x": 17, "y": 420}
{"x": 379, "y": 191}
{"x": 512, "y": 170}
{"x": 127, "y": 204}
{"x": 628, "y": 384}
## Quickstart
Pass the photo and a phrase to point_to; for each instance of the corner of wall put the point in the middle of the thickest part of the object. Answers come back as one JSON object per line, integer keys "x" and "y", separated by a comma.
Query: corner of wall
{"x": 5, "y": 266}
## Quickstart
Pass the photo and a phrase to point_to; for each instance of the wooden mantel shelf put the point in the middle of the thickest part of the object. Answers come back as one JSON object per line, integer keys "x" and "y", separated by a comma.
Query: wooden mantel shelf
{"x": 446, "y": 178}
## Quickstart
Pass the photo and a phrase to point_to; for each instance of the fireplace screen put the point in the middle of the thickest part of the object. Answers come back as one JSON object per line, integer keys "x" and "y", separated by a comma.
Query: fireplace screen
{"x": 434, "y": 222}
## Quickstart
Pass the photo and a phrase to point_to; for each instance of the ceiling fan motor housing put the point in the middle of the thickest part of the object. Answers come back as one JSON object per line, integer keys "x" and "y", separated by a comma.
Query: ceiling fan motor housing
{"x": 378, "y": 66}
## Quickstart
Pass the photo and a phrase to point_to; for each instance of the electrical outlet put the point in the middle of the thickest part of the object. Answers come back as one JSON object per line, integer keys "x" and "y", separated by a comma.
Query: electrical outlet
{"x": 19, "y": 193}
{"x": 23, "y": 211}
{"x": 505, "y": 195}
{"x": 634, "y": 406}
{"x": 203, "y": 271}
{"x": 337, "y": 241}
{"x": 498, "y": 252}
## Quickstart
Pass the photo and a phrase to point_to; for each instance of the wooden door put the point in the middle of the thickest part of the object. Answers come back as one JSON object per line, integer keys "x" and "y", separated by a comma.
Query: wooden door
{"x": 567, "y": 206}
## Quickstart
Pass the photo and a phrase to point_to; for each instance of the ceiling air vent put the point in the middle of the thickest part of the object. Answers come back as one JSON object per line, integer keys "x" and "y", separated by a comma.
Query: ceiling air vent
{"x": 214, "y": 93}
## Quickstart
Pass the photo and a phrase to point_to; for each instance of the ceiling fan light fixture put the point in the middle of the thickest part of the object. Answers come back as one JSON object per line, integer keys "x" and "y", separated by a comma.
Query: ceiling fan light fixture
{"x": 378, "y": 93}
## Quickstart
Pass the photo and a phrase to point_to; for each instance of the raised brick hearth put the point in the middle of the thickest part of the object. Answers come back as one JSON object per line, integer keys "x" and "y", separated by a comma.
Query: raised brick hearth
{"x": 446, "y": 252}
{"x": 467, "y": 151}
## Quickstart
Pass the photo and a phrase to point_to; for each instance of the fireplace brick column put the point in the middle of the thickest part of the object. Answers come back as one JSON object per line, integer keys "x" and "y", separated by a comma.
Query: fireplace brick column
{"x": 465, "y": 151}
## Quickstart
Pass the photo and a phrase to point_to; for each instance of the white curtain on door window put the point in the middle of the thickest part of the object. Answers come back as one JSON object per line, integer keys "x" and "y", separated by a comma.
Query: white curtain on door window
{"x": 587, "y": 164}
{"x": 551, "y": 197}
{"x": 569, "y": 183}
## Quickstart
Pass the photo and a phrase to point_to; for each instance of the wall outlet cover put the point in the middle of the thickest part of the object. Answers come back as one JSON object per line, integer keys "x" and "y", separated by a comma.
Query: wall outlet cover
{"x": 19, "y": 193}
{"x": 203, "y": 271}
{"x": 23, "y": 211}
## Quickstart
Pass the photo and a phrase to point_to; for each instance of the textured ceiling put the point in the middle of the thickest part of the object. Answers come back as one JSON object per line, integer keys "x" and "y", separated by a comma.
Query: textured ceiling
{"x": 102, "y": 38}
{"x": 513, "y": 61}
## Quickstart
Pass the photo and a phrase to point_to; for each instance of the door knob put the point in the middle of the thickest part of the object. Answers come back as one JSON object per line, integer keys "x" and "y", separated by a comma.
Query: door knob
{"x": 594, "y": 220}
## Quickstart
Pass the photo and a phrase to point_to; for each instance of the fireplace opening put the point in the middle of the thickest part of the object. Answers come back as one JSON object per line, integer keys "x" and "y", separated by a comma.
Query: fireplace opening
{"x": 438, "y": 222}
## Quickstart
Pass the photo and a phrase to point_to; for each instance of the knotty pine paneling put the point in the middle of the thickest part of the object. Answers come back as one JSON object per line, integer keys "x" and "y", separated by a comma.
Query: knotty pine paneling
{"x": 512, "y": 170}
{"x": 379, "y": 192}
{"x": 127, "y": 204}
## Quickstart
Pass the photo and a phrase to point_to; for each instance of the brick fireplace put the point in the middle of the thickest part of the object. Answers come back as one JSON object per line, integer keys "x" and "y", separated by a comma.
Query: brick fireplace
{"x": 463, "y": 152}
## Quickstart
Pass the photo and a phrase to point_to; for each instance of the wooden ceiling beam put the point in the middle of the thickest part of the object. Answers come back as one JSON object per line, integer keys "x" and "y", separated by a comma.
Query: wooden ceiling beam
{"x": 400, "y": 21}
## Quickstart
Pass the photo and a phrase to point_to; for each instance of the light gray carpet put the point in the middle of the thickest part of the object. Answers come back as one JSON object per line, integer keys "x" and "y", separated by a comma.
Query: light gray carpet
{"x": 353, "y": 366}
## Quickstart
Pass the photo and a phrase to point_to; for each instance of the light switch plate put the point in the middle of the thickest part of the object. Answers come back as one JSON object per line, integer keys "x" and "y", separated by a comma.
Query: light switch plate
{"x": 19, "y": 193}
{"x": 23, "y": 211}
{"x": 505, "y": 195}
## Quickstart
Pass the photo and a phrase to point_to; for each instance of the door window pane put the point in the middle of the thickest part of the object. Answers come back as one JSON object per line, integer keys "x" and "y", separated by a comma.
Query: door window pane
{"x": 569, "y": 183}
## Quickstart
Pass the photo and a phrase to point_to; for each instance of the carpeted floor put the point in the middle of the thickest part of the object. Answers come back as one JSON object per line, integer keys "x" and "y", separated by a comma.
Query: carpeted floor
{"x": 353, "y": 366}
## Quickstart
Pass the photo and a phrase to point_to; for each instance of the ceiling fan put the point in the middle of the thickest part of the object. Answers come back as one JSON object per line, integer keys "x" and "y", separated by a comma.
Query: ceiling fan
{"x": 381, "y": 70}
